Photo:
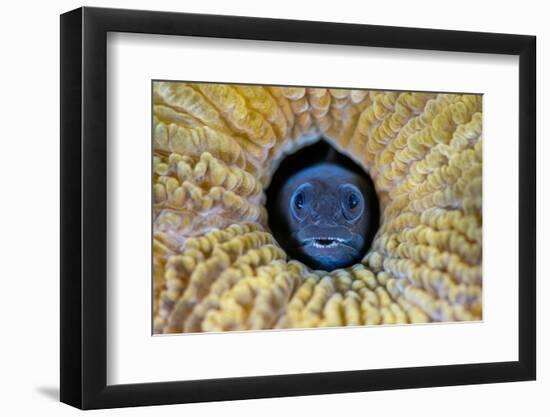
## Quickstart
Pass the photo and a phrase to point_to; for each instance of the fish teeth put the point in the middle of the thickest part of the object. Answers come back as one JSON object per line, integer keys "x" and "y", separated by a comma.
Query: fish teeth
{"x": 318, "y": 245}
{"x": 334, "y": 241}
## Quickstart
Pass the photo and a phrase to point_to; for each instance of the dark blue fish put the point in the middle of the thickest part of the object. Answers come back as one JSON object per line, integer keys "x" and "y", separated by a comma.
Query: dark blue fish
{"x": 329, "y": 214}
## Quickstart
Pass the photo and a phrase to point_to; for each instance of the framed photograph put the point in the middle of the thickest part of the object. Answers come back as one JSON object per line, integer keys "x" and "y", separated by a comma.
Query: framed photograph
{"x": 257, "y": 208}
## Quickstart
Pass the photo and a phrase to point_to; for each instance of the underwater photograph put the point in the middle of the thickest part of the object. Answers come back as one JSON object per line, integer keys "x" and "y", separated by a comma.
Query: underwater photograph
{"x": 285, "y": 207}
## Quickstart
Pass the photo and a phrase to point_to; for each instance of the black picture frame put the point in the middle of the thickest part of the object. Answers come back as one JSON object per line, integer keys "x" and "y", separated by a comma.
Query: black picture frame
{"x": 84, "y": 207}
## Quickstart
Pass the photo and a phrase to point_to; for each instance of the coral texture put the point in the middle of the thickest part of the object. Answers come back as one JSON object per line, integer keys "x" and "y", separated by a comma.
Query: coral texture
{"x": 216, "y": 265}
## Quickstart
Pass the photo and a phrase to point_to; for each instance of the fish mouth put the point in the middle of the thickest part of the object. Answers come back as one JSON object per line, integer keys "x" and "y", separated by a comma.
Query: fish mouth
{"x": 325, "y": 242}
{"x": 327, "y": 237}
{"x": 327, "y": 247}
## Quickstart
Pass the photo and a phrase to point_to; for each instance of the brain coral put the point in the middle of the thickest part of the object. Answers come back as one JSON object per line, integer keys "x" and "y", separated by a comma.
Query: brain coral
{"x": 216, "y": 265}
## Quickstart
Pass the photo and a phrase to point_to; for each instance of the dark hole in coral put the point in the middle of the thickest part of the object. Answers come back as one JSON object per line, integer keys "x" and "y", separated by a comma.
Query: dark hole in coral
{"x": 323, "y": 208}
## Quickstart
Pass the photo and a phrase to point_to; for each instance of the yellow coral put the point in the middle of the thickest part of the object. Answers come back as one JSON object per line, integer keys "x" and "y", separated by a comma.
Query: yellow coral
{"x": 217, "y": 267}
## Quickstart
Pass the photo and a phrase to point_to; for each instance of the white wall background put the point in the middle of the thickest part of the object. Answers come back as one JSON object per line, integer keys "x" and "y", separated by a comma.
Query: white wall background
{"x": 29, "y": 218}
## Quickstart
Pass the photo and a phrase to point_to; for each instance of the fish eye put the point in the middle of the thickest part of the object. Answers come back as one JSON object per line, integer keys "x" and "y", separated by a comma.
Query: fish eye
{"x": 299, "y": 200}
{"x": 353, "y": 200}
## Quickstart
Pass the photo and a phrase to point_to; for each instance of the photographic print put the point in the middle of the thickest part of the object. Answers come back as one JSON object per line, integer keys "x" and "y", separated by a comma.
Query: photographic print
{"x": 309, "y": 197}
{"x": 290, "y": 207}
